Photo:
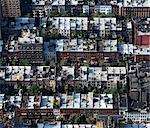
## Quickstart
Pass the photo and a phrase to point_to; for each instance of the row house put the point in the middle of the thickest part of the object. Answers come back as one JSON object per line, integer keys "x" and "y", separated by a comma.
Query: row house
{"x": 78, "y": 56}
{"x": 110, "y": 75}
{"x": 27, "y": 73}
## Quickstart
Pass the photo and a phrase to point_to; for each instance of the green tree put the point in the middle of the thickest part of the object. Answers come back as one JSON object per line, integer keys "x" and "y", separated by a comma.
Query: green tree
{"x": 113, "y": 90}
{"x": 33, "y": 90}
{"x": 56, "y": 103}
{"x": 121, "y": 64}
{"x": 120, "y": 41}
{"x": 90, "y": 120}
{"x": 52, "y": 63}
{"x": 24, "y": 63}
{"x": 63, "y": 13}
{"x": 77, "y": 119}
{"x": 28, "y": 15}
{"x": 53, "y": 13}
{"x": 74, "y": 118}
{"x": 1, "y": 62}
{"x": 71, "y": 118}
{"x": 13, "y": 63}
{"x": 21, "y": 120}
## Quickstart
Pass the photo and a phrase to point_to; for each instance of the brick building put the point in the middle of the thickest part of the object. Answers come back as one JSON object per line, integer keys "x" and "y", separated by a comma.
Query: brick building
{"x": 135, "y": 11}
{"x": 10, "y": 8}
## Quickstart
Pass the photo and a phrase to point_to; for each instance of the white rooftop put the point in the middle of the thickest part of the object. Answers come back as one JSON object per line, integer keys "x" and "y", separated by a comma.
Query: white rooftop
{"x": 58, "y": 2}
{"x": 140, "y": 125}
{"x": 68, "y": 72}
{"x": 26, "y": 37}
{"x": 16, "y": 100}
{"x": 23, "y": 23}
{"x": 65, "y": 24}
{"x": 39, "y": 2}
{"x": 104, "y": 23}
{"x": 110, "y": 46}
{"x": 86, "y": 101}
{"x": 1, "y": 100}
{"x": 75, "y": 45}
{"x": 136, "y": 50}
{"x": 25, "y": 73}
{"x": 136, "y": 3}
{"x": 59, "y": 125}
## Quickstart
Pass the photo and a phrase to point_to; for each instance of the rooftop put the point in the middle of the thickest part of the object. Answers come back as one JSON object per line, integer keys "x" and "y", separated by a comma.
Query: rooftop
{"x": 27, "y": 37}
{"x": 39, "y": 2}
{"x": 110, "y": 46}
{"x": 143, "y": 40}
{"x": 136, "y": 3}
{"x": 65, "y": 24}
{"x": 136, "y": 50}
{"x": 64, "y": 101}
{"x": 92, "y": 73}
{"x": 23, "y": 23}
{"x": 26, "y": 73}
{"x": 75, "y": 45}
{"x": 140, "y": 125}
{"x": 59, "y": 125}
{"x": 1, "y": 100}
{"x": 104, "y": 23}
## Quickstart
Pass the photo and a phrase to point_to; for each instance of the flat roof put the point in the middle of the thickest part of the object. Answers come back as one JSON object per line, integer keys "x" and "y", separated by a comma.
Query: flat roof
{"x": 136, "y": 3}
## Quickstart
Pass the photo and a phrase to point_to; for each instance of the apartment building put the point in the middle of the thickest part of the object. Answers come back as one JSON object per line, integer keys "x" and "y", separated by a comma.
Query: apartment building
{"x": 1, "y": 105}
{"x": 11, "y": 8}
{"x": 36, "y": 107}
{"x": 27, "y": 73}
{"x": 28, "y": 47}
{"x": 138, "y": 116}
{"x": 104, "y": 9}
{"x": 139, "y": 85}
{"x": 136, "y": 8}
{"x": 109, "y": 75}
{"x": 135, "y": 11}
{"x": 79, "y": 56}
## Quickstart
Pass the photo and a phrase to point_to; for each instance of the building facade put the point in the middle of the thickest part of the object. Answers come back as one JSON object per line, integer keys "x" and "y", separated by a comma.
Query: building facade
{"x": 135, "y": 11}
{"x": 10, "y": 8}
{"x": 138, "y": 116}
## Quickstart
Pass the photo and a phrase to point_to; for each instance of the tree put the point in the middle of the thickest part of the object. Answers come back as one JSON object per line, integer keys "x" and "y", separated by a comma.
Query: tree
{"x": 90, "y": 120}
{"x": 13, "y": 63}
{"x": 77, "y": 89}
{"x": 77, "y": 119}
{"x": 113, "y": 90}
{"x": 28, "y": 15}
{"x": 52, "y": 63}
{"x": 21, "y": 120}
{"x": 103, "y": 15}
{"x": 53, "y": 13}
{"x": 87, "y": 63}
{"x": 120, "y": 41}
{"x": 121, "y": 64}
{"x": 24, "y": 63}
{"x": 56, "y": 103}
{"x": 1, "y": 62}
{"x": 34, "y": 90}
{"x": 74, "y": 118}
{"x": 71, "y": 118}
{"x": 63, "y": 13}
{"x": 101, "y": 62}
